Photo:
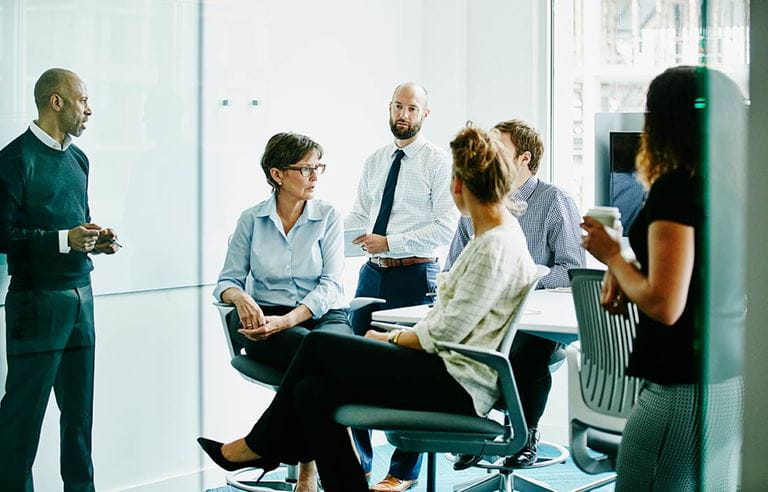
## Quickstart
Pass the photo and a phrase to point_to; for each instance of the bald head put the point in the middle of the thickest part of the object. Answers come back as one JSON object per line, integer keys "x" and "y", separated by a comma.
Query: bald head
{"x": 407, "y": 111}
{"x": 54, "y": 81}
{"x": 62, "y": 103}
{"x": 411, "y": 90}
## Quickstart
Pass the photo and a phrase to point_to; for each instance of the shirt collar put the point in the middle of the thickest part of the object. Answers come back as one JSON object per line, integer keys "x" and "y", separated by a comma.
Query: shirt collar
{"x": 268, "y": 208}
{"x": 526, "y": 189}
{"x": 412, "y": 148}
{"x": 48, "y": 140}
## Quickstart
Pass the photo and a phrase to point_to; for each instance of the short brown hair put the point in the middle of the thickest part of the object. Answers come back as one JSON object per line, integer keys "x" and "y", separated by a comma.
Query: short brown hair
{"x": 525, "y": 138}
{"x": 284, "y": 150}
{"x": 481, "y": 164}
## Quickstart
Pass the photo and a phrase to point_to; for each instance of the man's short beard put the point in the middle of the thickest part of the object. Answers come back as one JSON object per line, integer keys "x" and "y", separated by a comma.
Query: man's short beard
{"x": 412, "y": 131}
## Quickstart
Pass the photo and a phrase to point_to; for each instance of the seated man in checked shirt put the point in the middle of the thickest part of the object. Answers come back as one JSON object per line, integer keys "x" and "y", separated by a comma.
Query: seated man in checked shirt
{"x": 551, "y": 228}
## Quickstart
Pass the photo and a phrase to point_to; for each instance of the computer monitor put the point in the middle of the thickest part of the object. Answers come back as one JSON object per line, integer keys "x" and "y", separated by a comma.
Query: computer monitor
{"x": 626, "y": 192}
{"x": 616, "y": 140}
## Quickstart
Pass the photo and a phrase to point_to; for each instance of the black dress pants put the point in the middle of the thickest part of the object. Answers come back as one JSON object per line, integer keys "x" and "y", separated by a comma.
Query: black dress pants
{"x": 330, "y": 370}
{"x": 50, "y": 346}
{"x": 529, "y": 357}
{"x": 278, "y": 350}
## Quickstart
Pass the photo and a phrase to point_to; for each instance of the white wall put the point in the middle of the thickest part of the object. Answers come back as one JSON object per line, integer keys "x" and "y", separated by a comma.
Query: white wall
{"x": 505, "y": 57}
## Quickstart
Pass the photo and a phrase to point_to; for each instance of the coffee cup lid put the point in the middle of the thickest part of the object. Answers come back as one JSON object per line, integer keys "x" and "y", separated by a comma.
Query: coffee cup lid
{"x": 602, "y": 210}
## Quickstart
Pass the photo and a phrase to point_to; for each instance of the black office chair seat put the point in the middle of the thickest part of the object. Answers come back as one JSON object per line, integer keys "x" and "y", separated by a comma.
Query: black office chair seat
{"x": 410, "y": 424}
{"x": 603, "y": 442}
{"x": 264, "y": 374}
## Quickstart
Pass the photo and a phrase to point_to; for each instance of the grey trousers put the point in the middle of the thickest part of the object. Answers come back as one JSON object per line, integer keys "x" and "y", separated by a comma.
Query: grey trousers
{"x": 683, "y": 437}
{"x": 50, "y": 338}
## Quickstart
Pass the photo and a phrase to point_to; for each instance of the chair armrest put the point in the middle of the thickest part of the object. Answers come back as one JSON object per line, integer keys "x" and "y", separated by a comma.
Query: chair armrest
{"x": 389, "y": 326}
{"x": 224, "y": 309}
{"x": 497, "y": 361}
{"x": 490, "y": 358}
{"x": 361, "y": 302}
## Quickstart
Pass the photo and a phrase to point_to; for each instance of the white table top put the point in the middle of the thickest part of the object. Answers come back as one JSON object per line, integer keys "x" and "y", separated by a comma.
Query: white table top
{"x": 549, "y": 313}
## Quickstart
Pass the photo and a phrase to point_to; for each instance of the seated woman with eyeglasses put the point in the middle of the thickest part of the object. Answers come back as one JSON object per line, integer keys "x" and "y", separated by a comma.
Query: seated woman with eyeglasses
{"x": 284, "y": 263}
{"x": 404, "y": 369}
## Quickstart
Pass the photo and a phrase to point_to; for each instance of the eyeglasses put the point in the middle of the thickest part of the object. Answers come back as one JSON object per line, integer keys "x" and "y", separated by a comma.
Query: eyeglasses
{"x": 306, "y": 171}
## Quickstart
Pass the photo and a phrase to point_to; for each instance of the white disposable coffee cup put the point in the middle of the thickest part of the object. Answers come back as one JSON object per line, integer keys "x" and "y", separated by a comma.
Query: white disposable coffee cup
{"x": 608, "y": 216}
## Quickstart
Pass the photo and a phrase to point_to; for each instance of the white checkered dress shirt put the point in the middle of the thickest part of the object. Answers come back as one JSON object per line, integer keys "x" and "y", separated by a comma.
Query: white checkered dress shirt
{"x": 475, "y": 304}
{"x": 551, "y": 227}
{"x": 423, "y": 214}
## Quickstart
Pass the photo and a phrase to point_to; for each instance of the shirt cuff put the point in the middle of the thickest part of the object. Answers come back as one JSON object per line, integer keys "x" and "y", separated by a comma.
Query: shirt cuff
{"x": 222, "y": 286}
{"x": 395, "y": 243}
{"x": 422, "y": 333}
{"x": 64, "y": 242}
{"x": 315, "y": 306}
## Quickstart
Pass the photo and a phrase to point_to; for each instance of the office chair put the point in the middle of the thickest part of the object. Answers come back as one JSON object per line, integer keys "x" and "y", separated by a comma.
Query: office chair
{"x": 268, "y": 377}
{"x": 435, "y": 432}
{"x": 600, "y": 393}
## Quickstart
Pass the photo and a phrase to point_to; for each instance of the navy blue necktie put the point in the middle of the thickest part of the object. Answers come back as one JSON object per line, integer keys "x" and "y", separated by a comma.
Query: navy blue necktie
{"x": 380, "y": 227}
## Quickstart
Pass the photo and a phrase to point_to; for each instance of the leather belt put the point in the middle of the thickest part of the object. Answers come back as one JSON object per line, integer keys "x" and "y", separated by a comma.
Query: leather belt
{"x": 398, "y": 262}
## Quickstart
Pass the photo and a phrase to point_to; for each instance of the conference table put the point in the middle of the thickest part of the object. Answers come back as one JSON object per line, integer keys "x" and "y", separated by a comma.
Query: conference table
{"x": 549, "y": 313}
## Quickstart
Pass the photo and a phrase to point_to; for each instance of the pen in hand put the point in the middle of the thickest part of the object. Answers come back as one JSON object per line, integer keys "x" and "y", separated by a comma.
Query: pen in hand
{"x": 109, "y": 238}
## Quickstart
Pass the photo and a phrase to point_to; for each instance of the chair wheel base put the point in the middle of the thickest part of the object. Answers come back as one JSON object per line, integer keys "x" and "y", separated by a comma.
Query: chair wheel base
{"x": 241, "y": 481}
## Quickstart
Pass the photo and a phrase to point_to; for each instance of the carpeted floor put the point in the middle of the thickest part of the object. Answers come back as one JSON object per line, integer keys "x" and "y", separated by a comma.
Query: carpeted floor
{"x": 563, "y": 476}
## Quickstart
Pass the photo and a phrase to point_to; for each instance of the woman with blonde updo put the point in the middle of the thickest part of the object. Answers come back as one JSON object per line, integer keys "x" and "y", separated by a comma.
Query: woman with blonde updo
{"x": 404, "y": 369}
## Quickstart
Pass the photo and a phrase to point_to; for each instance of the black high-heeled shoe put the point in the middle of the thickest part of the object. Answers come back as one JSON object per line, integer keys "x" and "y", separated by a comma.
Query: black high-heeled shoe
{"x": 213, "y": 450}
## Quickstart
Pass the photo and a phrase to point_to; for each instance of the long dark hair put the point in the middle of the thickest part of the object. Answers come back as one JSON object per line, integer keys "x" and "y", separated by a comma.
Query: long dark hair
{"x": 674, "y": 118}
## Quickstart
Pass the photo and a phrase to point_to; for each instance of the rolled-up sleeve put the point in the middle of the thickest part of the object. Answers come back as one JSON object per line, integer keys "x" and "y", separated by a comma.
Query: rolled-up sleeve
{"x": 329, "y": 288}
{"x": 237, "y": 262}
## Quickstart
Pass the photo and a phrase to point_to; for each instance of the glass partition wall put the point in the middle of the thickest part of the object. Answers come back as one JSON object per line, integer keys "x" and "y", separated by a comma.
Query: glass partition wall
{"x": 605, "y": 53}
{"x": 140, "y": 62}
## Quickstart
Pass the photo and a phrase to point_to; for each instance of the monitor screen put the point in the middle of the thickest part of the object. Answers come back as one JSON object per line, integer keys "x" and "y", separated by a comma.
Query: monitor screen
{"x": 626, "y": 192}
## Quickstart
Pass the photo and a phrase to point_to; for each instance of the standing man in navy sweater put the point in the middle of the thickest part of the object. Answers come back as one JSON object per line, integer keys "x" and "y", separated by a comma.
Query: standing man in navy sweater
{"x": 46, "y": 231}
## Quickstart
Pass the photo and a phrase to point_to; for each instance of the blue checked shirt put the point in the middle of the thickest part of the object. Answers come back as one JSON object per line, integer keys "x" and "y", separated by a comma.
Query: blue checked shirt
{"x": 423, "y": 213}
{"x": 551, "y": 228}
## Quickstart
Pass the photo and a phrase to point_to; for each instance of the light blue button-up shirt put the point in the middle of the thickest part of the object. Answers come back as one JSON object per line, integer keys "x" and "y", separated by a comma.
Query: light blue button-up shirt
{"x": 302, "y": 267}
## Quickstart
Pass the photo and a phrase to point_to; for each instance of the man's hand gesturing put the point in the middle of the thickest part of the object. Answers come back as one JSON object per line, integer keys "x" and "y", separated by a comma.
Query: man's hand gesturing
{"x": 83, "y": 238}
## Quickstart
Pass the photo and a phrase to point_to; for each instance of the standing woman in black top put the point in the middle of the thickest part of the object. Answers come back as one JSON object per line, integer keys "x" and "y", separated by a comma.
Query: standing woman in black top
{"x": 682, "y": 434}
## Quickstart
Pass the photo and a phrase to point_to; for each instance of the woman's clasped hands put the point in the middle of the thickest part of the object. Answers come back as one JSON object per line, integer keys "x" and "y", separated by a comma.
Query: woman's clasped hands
{"x": 256, "y": 326}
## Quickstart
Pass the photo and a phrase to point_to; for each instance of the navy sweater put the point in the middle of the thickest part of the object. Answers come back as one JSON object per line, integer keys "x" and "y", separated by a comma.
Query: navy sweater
{"x": 42, "y": 191}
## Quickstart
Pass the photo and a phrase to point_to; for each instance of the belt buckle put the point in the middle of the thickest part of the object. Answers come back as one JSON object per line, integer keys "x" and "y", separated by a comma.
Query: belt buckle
{"x": 376, "y": 260}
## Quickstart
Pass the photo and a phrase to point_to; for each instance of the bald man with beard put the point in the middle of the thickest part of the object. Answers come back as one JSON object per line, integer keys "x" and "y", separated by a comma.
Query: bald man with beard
{"x": 404, "y": 200}
{"x": 47, "y": 233}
